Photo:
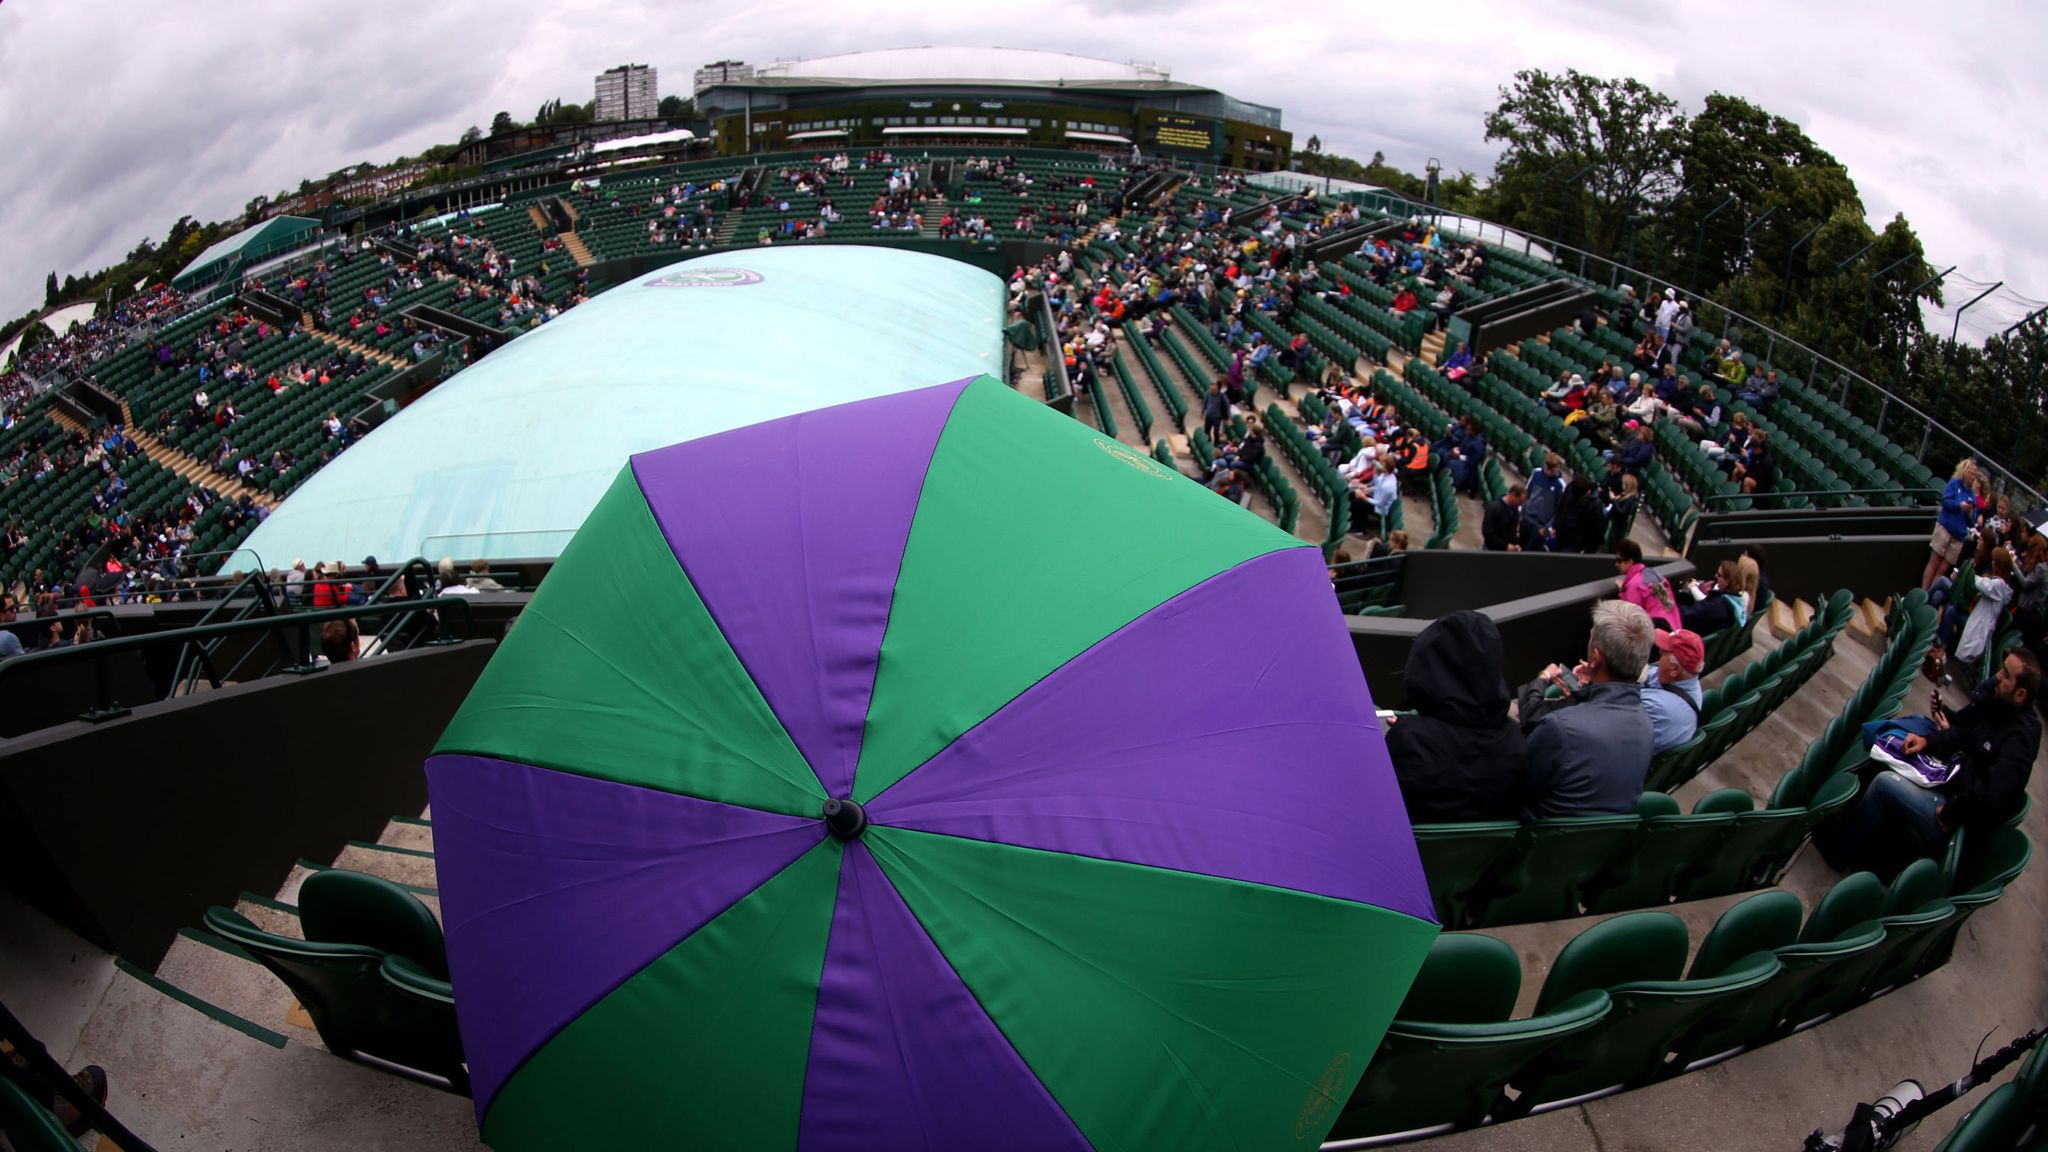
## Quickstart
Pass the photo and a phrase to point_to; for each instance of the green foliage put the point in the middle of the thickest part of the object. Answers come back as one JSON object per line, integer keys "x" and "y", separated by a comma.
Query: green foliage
{"x": 554, "y": 113}
{"x": 502, "y": 122}
{"x": 1582, "y": 154}
{"x": 1458, "y": 193}
{"x": 1744, "y": 208}
{"x": 676, "y": 109}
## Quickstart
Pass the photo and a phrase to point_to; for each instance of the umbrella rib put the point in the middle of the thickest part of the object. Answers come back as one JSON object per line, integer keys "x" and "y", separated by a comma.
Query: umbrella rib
{"x": 1120, "y": 981}
{"x": 668, "y": 705}
{"x": 1069, "y": 661}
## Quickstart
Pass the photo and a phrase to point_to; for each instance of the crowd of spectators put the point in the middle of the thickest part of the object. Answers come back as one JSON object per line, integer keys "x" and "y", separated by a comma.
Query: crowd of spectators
{"x": 683, "y": 217}
{"x": 1987, "y": 572}
{"x": 72, "y": 351}
{"x": 220, "y": 353}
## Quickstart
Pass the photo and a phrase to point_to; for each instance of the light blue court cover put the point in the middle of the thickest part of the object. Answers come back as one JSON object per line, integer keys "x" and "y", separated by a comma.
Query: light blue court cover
{"x": 506, "y": 458}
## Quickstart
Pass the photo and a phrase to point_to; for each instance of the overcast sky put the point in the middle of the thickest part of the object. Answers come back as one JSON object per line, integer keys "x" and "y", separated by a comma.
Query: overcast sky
{"x": 117, "y": 117}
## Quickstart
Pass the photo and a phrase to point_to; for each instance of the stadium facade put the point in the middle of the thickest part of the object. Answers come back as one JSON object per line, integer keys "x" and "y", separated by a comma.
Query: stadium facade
{"x": 1000, "y": 98}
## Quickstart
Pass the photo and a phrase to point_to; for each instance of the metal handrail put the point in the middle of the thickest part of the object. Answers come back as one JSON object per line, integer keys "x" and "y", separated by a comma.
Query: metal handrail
{"x": 303, "y": 623}
{"x": 1832, "y": 494}
{"x": 197, "y": 656}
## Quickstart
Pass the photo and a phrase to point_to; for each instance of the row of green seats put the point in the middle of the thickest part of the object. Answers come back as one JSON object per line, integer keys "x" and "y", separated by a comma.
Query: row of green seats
{"x": 1140, "y": 411}
{"x": 1621, "y": 1009}
{"x": 1331, "y": 489}
{"x": 1443, "y": 507}
{"x": 1169, "y": 393}
{"x": 1733, "y": 709}
{"x": 1491, "y": 873}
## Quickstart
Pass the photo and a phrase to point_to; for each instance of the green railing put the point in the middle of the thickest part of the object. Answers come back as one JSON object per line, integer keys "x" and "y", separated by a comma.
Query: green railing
{"x": 1870, "y": 496}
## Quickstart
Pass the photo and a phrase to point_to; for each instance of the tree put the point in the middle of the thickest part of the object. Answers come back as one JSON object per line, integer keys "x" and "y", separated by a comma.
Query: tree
{"x": 472, "y": 134}
{"x": 675, "y": 109}
{"x": 1583, "y": 153}
{"x": 1747, "y": 171}
{"x": 502, "y": 122}
{"x": 253, "y": 210}
{"x": 1314, "y": 147}
{"x": 50, "y": 291}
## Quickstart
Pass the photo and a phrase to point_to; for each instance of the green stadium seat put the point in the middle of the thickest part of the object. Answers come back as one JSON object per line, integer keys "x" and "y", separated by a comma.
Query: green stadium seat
{"x": 397, "y": 1013}
{"x": 1637, "y": 958}
{"x": 1551, "y": 875}
{"x": 1451, "y": 1047}
{"x": 1667, "y": 847}
{"x": 1989, "y": 1127}
{"x": 1916, "y": 908}
{"x": 1456, "y": 857}
{"x": 1755, "y": 840}
{"x": 27, "y": 1125}
{"x": 1978, "y": 878}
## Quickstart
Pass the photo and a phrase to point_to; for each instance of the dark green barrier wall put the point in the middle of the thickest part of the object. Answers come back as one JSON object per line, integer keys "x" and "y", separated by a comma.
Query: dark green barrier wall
{"x": 125, "y": 831}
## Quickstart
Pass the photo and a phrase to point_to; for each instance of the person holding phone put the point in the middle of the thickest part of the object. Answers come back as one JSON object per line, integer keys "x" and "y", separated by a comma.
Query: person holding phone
{"x": 1590, "y": 759}
{"x": 1994, "y": 740}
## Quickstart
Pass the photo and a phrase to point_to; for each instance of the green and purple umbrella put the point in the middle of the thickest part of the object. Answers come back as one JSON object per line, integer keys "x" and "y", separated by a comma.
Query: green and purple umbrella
{"x": 926, "y": 772}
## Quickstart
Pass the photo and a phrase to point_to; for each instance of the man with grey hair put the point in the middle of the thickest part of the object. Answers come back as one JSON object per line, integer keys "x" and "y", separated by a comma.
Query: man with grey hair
{"x": 1590, "y": 759}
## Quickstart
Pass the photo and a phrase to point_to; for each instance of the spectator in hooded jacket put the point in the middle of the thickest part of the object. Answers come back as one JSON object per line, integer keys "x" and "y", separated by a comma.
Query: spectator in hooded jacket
{"x": 1459, "y": 757}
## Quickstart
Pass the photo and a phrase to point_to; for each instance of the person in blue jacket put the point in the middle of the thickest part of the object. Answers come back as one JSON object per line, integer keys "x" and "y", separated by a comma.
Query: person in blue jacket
{"x": 1958, "y": 512}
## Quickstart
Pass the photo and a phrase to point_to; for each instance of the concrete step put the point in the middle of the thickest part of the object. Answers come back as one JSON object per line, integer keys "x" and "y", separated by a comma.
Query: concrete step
{"x": 273, "y": 916}
{"x": 184, "y": 1078}
{"x": 1867, "y": 625}
{"x": 227, "y": 977}
{"x": 408, "y": 832}
{"x": 288, "y": 892}
{"x": 1783, "y": 621}
{"x": 408, "y": 866}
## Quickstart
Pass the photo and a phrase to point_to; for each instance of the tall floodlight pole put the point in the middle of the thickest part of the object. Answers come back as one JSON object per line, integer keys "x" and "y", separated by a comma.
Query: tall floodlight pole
{"x": 1785, "y": 296}
{"x": 1694, "y": 282}
{"x": 1948, "y": 361}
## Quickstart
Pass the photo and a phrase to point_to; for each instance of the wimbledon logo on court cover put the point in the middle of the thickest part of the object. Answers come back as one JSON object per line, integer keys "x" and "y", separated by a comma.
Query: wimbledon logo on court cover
{"x": 705, "y": 278}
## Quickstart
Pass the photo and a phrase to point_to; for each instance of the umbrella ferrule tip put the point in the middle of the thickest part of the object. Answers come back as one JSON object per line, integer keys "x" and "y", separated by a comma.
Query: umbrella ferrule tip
{"x": 845, "y": 818}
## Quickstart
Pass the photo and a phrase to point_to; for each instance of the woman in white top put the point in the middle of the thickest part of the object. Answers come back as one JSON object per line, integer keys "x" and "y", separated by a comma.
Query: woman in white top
{"x": 1647, "y": 407}
{"x": 1994, "y": 596}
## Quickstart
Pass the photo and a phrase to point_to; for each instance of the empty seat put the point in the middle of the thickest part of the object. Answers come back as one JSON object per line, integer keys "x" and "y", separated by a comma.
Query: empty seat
{"x": 1637, "y": 958}
{"x": 1452, "y": 1047}
{"x": 371, "y": 972}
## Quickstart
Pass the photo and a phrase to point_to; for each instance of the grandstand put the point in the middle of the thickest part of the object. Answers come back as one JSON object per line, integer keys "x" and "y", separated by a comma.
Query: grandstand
{"x": 1765, "y": 993}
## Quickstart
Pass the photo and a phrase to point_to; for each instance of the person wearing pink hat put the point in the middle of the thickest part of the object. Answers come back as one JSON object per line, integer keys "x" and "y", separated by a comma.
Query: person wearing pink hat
{"x": 1671, "y": 689}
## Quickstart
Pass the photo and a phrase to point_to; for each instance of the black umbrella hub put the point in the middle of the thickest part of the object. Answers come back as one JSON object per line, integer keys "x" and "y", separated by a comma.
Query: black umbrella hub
{"x": 845, "y": 818}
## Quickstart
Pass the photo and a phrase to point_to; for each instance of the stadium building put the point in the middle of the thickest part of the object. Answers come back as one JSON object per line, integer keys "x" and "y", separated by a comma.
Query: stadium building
{"x": 998, "y": 98}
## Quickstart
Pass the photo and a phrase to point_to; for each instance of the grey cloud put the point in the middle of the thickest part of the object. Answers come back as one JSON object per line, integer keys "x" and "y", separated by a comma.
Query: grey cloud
{"x": 122, "y": 117}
